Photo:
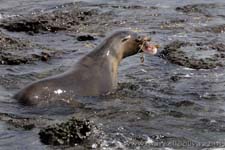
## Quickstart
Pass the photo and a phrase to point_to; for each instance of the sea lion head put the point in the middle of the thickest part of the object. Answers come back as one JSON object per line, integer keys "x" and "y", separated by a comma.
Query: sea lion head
{"x": 127, "y": 43}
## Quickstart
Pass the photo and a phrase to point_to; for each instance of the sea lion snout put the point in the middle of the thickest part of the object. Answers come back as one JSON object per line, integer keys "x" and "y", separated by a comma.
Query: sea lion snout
{"x": 147, "y": 46}
{"x": 143, "y": 38}
{"x": 132, "y": 43}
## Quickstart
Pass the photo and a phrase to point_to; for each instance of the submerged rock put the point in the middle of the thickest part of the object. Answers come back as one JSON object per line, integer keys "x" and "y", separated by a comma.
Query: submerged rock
{"x": 15, "y": 51}
{"x": 68, "y": 18}
{"x": 68, "y": 133}
{"x": 184, "y": 103}
{"x": 85, "y": 38}
{"x": 49, "y": 22}
{"x": 213, "y": 125}
{"x": 212, "y": 29}
{"x": 174, "y": 24}
{"x": 175, "y": 53}
{"x": 198, "y": 8}
{"x": 18, "y": 122}
{"x": 219, "y": 47}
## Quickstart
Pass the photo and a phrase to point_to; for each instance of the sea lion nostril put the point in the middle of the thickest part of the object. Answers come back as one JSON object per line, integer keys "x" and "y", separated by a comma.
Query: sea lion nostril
{"x": 140, "y": 38}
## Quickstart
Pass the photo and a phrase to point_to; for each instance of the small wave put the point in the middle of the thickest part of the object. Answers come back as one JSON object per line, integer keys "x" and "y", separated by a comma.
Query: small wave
{"x": 3, "y": 16}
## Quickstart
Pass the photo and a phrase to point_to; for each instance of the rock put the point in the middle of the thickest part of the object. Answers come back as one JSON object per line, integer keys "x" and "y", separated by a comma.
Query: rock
{"x": 67, "y": 133}
{"x": 184, "y": 103}
{"x": 219, "y": 46}
{"x": 174, "y": 53}
{"x": 85, "y": 38}
{"x": 21, "y": 122}
{"x": 198, "y": 8}
{"x": 212, "y": 29}
{"x": 69, "y": 18}
{"x": 15, "y": 51}
{"x": 175, "y": 78}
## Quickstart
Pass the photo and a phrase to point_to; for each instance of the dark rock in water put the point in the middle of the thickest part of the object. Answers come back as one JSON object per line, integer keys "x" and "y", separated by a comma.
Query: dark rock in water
{"x": 61, "y": 19}
{"x": 189, "y": 9}
{"x": 198, "y": 8}
{"x": 69, "y": 133}
{"x": 130, "y": 86}
{"x": 176, "y": 114}
{"x": 124, "y": 6}
{"x": 18, "y": 122}
{"x": 183, "y": 103}
{"x": 174, "y": 53}
{"x": 212, "y": 29}
{"x": 85, "y": 38}
{"x": 174, "y": 24}
{"x": 128, "y": 90}
{"x": 213, "y": 125}
{"x": 175, "y": 78}
{"x": 14, "y": 51}
{"x": 219, "y": 46}
{"x": 23, "y": 122}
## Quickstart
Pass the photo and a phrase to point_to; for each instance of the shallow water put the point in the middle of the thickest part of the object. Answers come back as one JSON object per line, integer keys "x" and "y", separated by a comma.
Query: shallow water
{"x": 162, "y": 105}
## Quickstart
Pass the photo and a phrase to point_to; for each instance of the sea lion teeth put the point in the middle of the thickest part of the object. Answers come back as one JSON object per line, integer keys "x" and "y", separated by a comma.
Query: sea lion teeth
{"x": 150, "y": 48}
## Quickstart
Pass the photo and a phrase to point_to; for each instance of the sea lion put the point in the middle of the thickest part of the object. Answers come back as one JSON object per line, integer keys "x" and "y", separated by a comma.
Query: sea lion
{"x": 93, "y": 75}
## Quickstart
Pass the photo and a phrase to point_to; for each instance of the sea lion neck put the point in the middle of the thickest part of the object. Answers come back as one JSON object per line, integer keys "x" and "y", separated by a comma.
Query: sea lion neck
{"x": 108, "y": 49}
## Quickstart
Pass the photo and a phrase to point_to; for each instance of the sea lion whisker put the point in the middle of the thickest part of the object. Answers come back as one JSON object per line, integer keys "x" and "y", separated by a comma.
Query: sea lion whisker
{"x": 141, "y": 51}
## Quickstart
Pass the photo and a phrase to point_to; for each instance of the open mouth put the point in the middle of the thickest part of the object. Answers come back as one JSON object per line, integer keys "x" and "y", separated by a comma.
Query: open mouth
{"x": 149, "y": 48}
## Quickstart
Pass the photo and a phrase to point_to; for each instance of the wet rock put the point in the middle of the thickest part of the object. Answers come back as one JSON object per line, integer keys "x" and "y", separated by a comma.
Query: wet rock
{"x": 15, "y": 51}
{"x": 197, "y": 8}
{"x": 174, "y": 53}
{"x": 21, "y": 122}
{"x": 173, "y": 24}
{"x": 176, "y": 114}
{"x": 85, "y": 38}
{"x": 9, "y": 82}
{"x": 125, "y": 6}
{"x": 219, "y": 47}
{"x": 211, "y": 125}
{"x": 44, "y": 56}
{"x": 70, "y": 18}
{"x": 190, "y": 9}
{"x": 128, "y": 90}
{"x": 175, "y": 78}
{"x": 129, "y": 86}
{"x": 212, "y": 29}
{"x": 183, "y": 104}
{"x": 68, "y": 133}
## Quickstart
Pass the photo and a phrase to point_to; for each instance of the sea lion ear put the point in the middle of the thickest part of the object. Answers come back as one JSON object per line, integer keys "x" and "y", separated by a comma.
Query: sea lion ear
{"x": 126, "y": 38}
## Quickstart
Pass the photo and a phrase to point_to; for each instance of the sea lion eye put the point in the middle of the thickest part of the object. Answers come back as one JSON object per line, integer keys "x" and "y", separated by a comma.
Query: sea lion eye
{"x": 126, "y": 38}
{"x": 139, "y": 39}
